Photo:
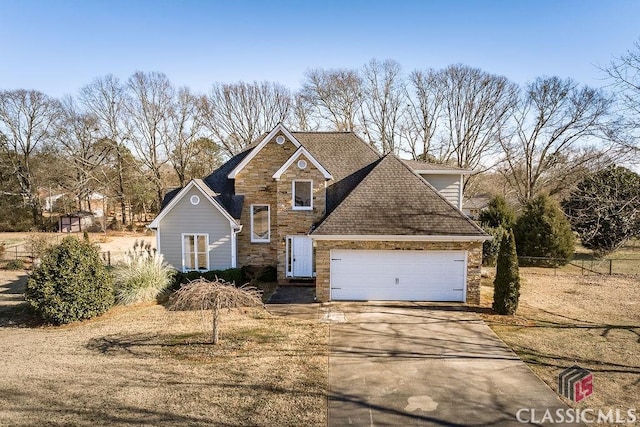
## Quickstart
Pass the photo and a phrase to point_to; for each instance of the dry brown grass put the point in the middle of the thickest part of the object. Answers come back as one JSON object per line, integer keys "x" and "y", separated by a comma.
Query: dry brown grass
{"x": 564, "y": 320}
{"x": 146, "y": 365}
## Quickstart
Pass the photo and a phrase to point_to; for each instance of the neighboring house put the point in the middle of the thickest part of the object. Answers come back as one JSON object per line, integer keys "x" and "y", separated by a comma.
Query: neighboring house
{"x": 96, "y": 199}
{"x": 472, "y": 206}
{"x": 327, "y": 205}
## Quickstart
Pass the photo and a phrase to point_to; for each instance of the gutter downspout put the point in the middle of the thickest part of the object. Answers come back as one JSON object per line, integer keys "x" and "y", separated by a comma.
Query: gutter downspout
{"x": 234, "y": 246}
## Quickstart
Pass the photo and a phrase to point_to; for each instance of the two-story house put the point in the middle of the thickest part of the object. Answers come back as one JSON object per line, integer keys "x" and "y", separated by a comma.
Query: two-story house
{"x": 327, "y": 205}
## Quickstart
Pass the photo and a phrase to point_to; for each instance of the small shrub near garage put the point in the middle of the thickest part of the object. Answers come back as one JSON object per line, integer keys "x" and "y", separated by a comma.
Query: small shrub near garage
{"x": 71, "y": 283}
{"x": 506, "y": 286}
{"x": 143, "y": 276}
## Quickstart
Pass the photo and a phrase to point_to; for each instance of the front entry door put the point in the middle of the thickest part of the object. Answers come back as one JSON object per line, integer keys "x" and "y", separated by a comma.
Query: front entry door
{"x": 300, "y": 256}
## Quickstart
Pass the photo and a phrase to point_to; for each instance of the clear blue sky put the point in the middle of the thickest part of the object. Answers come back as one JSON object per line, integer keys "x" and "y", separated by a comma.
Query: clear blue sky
{"x": 59, "y": 46}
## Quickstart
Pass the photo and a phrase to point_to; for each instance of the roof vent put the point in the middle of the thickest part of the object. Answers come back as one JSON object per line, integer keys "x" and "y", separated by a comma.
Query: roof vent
{"x": 280, "y": 139}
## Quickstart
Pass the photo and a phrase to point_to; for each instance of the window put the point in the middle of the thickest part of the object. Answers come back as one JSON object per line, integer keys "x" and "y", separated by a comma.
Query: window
{"x": 195, "y": 252}
{"x": 302, "y": 195}
{"x": 260, "y": 223}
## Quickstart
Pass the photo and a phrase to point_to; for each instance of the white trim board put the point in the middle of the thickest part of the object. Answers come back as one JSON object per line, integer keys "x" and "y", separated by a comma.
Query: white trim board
{"x": 295, "y": 156}
{"x": 279, "y": 128}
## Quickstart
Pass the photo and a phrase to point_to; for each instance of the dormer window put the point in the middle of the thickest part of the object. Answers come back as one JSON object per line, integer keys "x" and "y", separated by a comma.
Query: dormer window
{"x": 302, "y": 195}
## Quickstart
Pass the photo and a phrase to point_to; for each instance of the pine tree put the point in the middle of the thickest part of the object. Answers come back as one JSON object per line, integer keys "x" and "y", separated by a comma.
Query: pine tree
{"x": 506, "y": 286}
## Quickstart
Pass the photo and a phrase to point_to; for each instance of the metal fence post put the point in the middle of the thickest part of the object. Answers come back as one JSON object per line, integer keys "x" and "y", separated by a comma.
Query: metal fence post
{"x": 610, "y": 266}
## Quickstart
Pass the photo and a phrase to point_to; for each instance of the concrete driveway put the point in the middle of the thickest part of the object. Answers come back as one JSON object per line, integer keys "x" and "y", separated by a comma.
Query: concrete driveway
{"x": 420, "y": 364}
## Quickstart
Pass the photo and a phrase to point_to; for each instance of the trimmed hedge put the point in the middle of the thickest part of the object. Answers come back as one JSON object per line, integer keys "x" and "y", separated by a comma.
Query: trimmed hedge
{"x": 233, "y": 275}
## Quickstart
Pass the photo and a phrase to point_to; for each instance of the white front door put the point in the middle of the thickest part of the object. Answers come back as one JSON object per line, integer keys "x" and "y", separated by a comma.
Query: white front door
{"x": 300, "y": 256}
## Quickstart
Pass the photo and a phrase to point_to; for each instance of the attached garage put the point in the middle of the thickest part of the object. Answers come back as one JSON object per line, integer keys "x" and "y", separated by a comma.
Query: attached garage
{"x": 398, "y": 275}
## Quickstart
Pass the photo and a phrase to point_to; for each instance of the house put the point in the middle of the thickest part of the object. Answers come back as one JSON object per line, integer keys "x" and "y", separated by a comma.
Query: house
{"x": 474, "y": 205}
{"x": 327, "y": 205}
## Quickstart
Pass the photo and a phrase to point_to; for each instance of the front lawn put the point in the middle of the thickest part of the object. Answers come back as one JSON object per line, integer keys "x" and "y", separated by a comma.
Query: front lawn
{"x": 568, "y": 319}
{"x": 147, "y": 365}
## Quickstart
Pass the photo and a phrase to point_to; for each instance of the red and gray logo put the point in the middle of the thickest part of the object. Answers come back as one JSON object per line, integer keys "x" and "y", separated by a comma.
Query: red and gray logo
{"x": 575, "y": 383}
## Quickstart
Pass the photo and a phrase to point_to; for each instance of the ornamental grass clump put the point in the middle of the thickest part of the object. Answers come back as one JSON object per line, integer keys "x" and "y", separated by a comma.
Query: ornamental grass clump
{"x": 204, "y": 295}
{"x": 143, "y": 276}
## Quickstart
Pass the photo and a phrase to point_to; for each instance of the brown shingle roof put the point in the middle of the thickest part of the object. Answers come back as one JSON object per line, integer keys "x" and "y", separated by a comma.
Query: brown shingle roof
{"x": 347, "y": 158}
{"x": 425, "y": 166}
{"x": 393, "y": 200}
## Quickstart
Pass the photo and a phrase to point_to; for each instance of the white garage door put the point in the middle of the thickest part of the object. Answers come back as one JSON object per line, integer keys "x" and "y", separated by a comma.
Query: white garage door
{"x": 369, "y": 275}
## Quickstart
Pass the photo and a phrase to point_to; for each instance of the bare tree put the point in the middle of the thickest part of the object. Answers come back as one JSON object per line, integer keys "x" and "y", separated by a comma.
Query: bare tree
{"x": 207, "y": 156}
{"x": 184, "y": 127}
{"x": 82, "y": 147}
{"x": 301, "y": 117}
{"x": 553, "y": 117}
{"x": 425, "y": 99}
{"x": 336, "y": 95}
{"x": 104, "y": 98}
{"x": 237, "y": 114}
{"x": 624, "y": 73}
{"x": 477, "y": 106}
{"x": 203, "y": 295}
{"x": 149, "y": 107}
{"x": 28, "y": 120}
{"x": 383, "y": 99}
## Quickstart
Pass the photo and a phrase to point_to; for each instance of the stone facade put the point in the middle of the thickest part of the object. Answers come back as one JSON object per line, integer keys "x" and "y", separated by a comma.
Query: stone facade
{"x": 292, "y": 222}
{"x": 255, "y": 181}
{"x": 323, "y": 261}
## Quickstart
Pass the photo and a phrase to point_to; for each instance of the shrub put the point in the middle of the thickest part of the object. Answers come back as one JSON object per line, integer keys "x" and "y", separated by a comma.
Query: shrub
{"x": 71, "y": 283}
{"x": 3, "y": 249}
{"x": 543, "y": 231}
{"x": 602, "y": 209}
{"x": 506, "y": 286}
{"x": 490, "y": 248}
{"x": 142, "y": 277}
{"x": 498, "y": 214}
{"x": 37, "y": 245}
{"x": 14, "y": 264}
{"x": 232, "y": 275}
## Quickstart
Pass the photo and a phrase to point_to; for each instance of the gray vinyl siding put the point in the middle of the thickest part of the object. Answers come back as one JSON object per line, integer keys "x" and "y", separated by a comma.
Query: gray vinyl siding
{"x": 203, "y": 218}
{"x": 447, "y": 185}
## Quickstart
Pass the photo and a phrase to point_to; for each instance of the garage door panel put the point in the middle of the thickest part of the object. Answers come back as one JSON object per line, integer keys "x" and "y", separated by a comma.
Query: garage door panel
{"x": 398, "y": 275}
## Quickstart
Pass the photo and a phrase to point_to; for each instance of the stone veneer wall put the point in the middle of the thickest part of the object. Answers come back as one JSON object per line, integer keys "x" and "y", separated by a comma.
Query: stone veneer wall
{"x": 297, "y": 222}
{"x": 323, "y": 261}
{"x": 255, "y": 182}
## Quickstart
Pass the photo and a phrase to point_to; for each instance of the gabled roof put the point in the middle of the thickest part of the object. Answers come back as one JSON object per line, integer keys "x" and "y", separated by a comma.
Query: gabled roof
{"x": 435, "y": 168}
{"x": 207, "y": 192}
{"x": 392, "y": 200}
{"x": 280, "y": 128}
{"x": 299, "y": 152}
{"x": 347, "y": 157}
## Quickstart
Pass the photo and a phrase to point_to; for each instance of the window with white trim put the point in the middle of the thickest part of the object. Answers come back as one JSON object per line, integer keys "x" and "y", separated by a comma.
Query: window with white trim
{"x": 302, "y": 195}
{"x": 260, "y": 223}
{"x": 195, "y": 252}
